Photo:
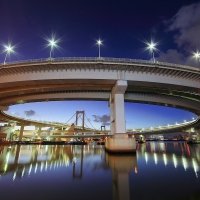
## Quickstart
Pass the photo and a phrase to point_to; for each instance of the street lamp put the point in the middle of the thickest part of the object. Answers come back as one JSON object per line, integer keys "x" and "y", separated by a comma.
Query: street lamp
{"x": 8, "y": 49}
{"x": 197, "y": 55}
{"x": 152, "y": 47}
{"x": 52, "y": 43}
{"x": 99, "y": 42}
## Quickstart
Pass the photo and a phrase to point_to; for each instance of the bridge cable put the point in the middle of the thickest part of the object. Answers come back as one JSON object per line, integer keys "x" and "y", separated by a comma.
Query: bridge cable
{"x": 85, "y": 123}
{"x": 90, "y": 122}
{"x": 70, "y": 118}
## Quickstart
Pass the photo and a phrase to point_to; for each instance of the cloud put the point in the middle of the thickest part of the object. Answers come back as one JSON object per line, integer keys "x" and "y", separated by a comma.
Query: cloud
{"x": 187, "y": 23}
{"x": 186, "y": 26}
{"x": 104, "y": 119}
{"x": 29, "y": 113}
{"x": 172, "y": 56}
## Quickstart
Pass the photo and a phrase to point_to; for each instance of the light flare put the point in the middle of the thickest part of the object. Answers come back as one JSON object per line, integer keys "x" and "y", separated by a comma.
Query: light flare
{"x": 151, "y": 47}
{"x": 99, "y": 42}
{"x": 8, "y": 49}
{"x": 196, "y": 55}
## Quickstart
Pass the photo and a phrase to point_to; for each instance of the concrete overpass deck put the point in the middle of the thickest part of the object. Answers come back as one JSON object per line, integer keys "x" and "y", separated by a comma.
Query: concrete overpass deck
{"x": 105, "y": 79}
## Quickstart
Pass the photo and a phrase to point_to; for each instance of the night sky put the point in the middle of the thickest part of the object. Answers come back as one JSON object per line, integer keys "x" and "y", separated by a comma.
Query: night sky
{"x": 124, "y": 27}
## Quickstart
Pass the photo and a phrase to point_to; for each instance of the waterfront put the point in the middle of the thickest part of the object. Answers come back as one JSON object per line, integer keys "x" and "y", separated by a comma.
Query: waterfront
{"x": 158, "y": 170}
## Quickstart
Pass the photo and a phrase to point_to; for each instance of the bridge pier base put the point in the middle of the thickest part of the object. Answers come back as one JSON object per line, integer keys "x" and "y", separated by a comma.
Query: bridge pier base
{"x": 120, "y": 142}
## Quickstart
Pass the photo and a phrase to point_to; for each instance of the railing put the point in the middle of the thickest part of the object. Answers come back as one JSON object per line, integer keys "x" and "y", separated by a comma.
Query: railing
{"x": 165, "y": 128}
{"x": 96, "y": 59}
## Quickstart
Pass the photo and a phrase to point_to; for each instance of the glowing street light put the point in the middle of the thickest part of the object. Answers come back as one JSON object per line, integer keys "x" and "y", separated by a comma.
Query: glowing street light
{"x": 99, "y": 42}
{"x": 52, "y": 43}
{"x": 152, "y": 47}
{"x": 8, "y": 49}
{"x": 197, "y": 55}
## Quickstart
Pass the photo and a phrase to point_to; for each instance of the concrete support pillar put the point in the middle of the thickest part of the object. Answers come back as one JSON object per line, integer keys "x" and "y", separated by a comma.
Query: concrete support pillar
{"x": 21, "y": 132}
{"x": 120, "y": 141}
{"x": 112, "y": 121}
{"x": 189, "y": 131}
{"x": 38, "y": 130}
{"x": 198, "y": 133}
{"x": 117, "y": 108}
{"x": 120, "y": 126}
{"x": 7, "y": 130}
{"x": 8, "y": 136}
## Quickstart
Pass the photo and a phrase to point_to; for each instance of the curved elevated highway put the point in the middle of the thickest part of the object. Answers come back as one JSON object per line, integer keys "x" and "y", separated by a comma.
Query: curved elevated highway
{"x": 95, "y": 79}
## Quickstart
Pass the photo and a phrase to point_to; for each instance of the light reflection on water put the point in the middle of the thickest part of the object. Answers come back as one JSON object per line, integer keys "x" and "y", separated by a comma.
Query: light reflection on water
{"x": 158, "y": 170}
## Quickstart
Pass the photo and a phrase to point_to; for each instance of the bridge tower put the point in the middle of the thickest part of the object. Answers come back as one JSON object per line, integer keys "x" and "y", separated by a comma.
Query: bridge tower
{"x": 83, "y": 117}
{"x": 120, "y": 141}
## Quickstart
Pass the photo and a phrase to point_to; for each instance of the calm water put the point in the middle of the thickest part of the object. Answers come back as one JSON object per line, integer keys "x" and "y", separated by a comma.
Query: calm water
{"x": 158, "y": 171}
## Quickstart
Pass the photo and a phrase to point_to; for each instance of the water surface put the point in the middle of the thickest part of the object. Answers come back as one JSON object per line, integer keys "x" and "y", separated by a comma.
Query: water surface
{"x": 158, "y": 171}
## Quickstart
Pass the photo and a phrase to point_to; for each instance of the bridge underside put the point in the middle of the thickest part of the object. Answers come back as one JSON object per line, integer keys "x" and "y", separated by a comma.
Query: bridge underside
{"x": 60, "y": 90}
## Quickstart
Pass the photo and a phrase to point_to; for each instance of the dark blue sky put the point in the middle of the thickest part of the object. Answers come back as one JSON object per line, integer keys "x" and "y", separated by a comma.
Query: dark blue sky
{"x": 123, "y": 26}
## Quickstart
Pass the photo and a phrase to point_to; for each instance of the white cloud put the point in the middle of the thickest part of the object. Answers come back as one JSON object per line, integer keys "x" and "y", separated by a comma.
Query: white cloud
{"x": 172, "y": 56}
{"x": 187, "y": 23}
{"x": 186, "y": 27}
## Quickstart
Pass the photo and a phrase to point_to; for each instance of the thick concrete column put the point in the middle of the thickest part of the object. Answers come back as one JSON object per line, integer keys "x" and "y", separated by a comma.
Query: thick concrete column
{"x": 38, "y": 130}
{"x": 112, "y": 118}
{"x": 21, "y": 132}
{"x": 198, "y": 133}
{"x": 120, "y": 141}
{"x": 8, "y": 137}
{"x": 120, "y": 126}
{"x": 7, "y": 130}
{"x": 117, "y": 107}
{"x": 189, "y": 131}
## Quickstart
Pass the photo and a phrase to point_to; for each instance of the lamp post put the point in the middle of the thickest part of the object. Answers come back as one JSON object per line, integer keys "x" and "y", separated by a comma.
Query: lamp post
{"x": 8, "y": 49}
{"x": 52, "y": 43}
{"x": 151, "y": 46}
{"x": 99, "y": 42}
